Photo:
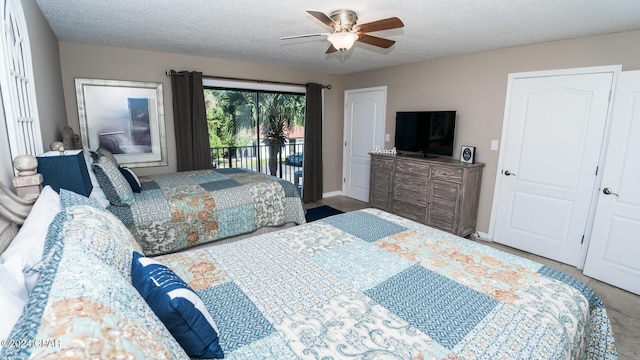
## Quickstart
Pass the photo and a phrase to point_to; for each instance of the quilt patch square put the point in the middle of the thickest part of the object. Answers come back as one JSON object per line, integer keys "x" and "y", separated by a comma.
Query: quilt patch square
{"x": 220, "y": 185}
{"x": 441, "y": 308}
{"x": 227, "y": 198}
{"x": 207, "y": 176}
{"x": 150, "y": 211}
{"x": 290, "y": 190}
{"x": 238, "y": 319}
{"x": 231, "y": 171}
{"x": 279, "y": 282}
{"x": 366, "y": 226}
{"x": 147, "y": 184}
{"x": 228, "y": 224}
{"x": 352, "y": 326}
{"x": 123, "y": 213}
{"x": 361, "y": 265}
{"x": 196, "y": 267}
{"x": 520, "y": 336}
{"x": 592, "y": 297}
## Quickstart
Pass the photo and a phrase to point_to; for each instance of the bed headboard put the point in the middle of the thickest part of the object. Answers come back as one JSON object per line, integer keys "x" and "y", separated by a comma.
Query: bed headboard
{"x": 13, "y": 211}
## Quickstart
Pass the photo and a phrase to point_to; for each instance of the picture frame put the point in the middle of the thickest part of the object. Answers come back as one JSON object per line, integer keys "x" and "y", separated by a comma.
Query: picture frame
{"x": 468, "y": 154}
{"x": 124, "y": 117}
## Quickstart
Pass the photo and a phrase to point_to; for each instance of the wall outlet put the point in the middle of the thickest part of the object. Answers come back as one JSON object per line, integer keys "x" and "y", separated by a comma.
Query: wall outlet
{"x": 494, "y": 145}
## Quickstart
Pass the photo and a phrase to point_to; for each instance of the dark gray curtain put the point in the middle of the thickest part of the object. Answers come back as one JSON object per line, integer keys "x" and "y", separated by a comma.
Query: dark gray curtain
{"x": 312, "y": 166}
{"x": 190, "y": 121}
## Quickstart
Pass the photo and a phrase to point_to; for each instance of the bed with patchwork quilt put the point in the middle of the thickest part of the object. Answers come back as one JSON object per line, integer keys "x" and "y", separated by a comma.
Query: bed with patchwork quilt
{"x": 369, "y": 284}
{"x": 360, "y": 285}
{"x": 179, "y": 210}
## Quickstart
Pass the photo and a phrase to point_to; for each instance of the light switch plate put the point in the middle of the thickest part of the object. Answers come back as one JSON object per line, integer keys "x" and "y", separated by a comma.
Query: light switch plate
{"x": 387, "y": 137}
{"x": 494, "y": 145}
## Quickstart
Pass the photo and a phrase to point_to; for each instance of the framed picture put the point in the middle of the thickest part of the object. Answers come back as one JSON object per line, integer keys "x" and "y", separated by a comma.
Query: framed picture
{"x": 124, "y": 117}
{"x": 468, "y": 154}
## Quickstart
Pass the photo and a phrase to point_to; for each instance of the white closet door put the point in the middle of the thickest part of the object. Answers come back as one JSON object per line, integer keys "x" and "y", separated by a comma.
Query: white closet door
{"x": 554, "y": 126}
{"x": 364, "y": 127}
{"x": 614, "y": 247}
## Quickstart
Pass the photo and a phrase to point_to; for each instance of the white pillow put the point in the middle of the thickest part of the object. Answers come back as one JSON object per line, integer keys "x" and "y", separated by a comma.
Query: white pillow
{"x": 26, "y": 248}
{"x": 13, "y": 297}
{"x": 97, "y": 194}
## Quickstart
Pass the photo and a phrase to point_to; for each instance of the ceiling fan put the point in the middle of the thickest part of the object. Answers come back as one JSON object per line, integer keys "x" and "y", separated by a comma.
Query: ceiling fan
{"x": 346, "y": 31}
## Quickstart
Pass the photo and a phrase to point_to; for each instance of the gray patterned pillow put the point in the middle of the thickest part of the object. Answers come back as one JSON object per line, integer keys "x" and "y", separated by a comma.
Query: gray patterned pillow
{"x": 106, "y": 153}
{"x": 114, "y": 185}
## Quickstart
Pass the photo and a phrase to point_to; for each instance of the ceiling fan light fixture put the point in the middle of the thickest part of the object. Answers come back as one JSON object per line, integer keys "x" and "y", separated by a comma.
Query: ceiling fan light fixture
{"x": 343, "y": 40}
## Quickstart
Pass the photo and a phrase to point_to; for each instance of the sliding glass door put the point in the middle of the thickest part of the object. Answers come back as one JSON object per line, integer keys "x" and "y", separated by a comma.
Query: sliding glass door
{"x": 259, "y": 130}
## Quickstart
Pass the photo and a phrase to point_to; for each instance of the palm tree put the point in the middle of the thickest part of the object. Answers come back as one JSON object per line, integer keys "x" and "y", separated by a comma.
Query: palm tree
{"x": 281, "y": 112}
{"x": 232, "y": 111}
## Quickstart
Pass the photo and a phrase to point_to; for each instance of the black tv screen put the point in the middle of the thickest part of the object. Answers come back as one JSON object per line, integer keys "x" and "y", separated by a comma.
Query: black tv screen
{"x": 425, "y": 133}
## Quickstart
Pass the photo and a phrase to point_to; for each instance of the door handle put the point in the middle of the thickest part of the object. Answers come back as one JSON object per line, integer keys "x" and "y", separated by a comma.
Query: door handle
{"x": 607, "y": 191}
{"x": 509, "y": 173}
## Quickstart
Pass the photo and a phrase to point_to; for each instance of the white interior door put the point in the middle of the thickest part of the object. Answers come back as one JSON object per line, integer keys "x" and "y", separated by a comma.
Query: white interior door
{"x": 552, "y": 136}
{"x": 364, "y": 128}
{"x": 614, "y": 247}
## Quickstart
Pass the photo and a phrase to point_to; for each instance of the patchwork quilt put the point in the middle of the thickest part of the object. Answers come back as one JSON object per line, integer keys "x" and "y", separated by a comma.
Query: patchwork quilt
{"x": 369, "y": 284}
{"x": 178, "y": 210}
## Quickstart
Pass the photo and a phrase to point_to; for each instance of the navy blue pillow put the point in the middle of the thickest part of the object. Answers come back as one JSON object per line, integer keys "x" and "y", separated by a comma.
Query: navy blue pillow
{"x": 178, "y": 307}
{"x": 131, "y": 178}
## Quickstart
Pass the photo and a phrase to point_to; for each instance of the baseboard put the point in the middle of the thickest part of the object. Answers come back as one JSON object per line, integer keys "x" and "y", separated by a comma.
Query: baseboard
{"x": 483, "y": 236}
{"x": 331, "y": 194}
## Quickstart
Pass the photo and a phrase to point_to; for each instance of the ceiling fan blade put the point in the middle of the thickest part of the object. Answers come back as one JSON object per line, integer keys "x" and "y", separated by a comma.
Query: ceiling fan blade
{"x": 322, "y": 17}
{"x": 384, "y": 24}
{"x": 376, "y": 41}
{"x": 331, "y": 49}
{"x": 302, "y": 36}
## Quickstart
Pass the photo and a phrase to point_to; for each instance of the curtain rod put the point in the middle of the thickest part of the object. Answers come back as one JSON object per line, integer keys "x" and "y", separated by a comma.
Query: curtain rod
{"x": 170, "y": 72}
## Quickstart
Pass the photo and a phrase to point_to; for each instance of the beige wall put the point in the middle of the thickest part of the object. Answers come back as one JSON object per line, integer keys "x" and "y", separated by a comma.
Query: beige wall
{"x": 48, "y": 83}
{"x": 101, "y": 62}
{"x": 46, "y": 72}
{"x": 475, "y": 86}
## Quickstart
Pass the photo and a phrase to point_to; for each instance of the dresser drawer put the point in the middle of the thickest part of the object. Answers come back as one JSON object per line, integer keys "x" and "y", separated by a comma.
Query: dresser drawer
{"x": 413, "y": 167}
{"x": 418, "y": 198}
{"x": 446, "y": 173}
{"x": 410, "y": 211}
{"x": 386, "y": 164}
{"x": 410, "y": 181}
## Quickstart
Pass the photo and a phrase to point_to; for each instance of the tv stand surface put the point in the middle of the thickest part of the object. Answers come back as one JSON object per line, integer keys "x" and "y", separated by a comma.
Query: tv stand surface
{"x": 441, "y": 192}
{"x": 419, "y": 155}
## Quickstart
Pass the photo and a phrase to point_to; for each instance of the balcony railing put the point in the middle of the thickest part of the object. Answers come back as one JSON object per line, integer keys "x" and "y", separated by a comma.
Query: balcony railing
{"x": 256, "y": 158}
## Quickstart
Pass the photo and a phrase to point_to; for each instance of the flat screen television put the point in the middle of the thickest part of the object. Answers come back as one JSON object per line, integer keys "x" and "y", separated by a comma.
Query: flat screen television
{"x": 425, "y": 133}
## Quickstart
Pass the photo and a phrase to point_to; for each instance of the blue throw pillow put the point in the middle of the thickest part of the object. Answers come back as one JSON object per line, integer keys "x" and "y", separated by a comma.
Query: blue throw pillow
{"x": 178, "y": 307}
{"x": 131, "y": 178}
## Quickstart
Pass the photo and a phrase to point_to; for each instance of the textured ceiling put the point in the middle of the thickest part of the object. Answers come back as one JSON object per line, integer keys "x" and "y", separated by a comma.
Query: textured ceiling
{"x": 249, "y": 30}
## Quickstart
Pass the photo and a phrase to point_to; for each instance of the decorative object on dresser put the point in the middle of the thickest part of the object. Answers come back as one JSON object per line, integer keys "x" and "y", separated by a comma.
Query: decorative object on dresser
{"x": 28, "y": 183}
{"x": 68, "y": 171}
{"x": 70, "y": 140}
{"x": 439, "y": 192}
{"x": 468, "y": 154}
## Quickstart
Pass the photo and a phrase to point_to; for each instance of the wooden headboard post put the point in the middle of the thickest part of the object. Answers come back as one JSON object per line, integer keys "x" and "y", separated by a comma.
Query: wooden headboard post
{"x": 13, "y": 208}
{"x": 28, "y": 183}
